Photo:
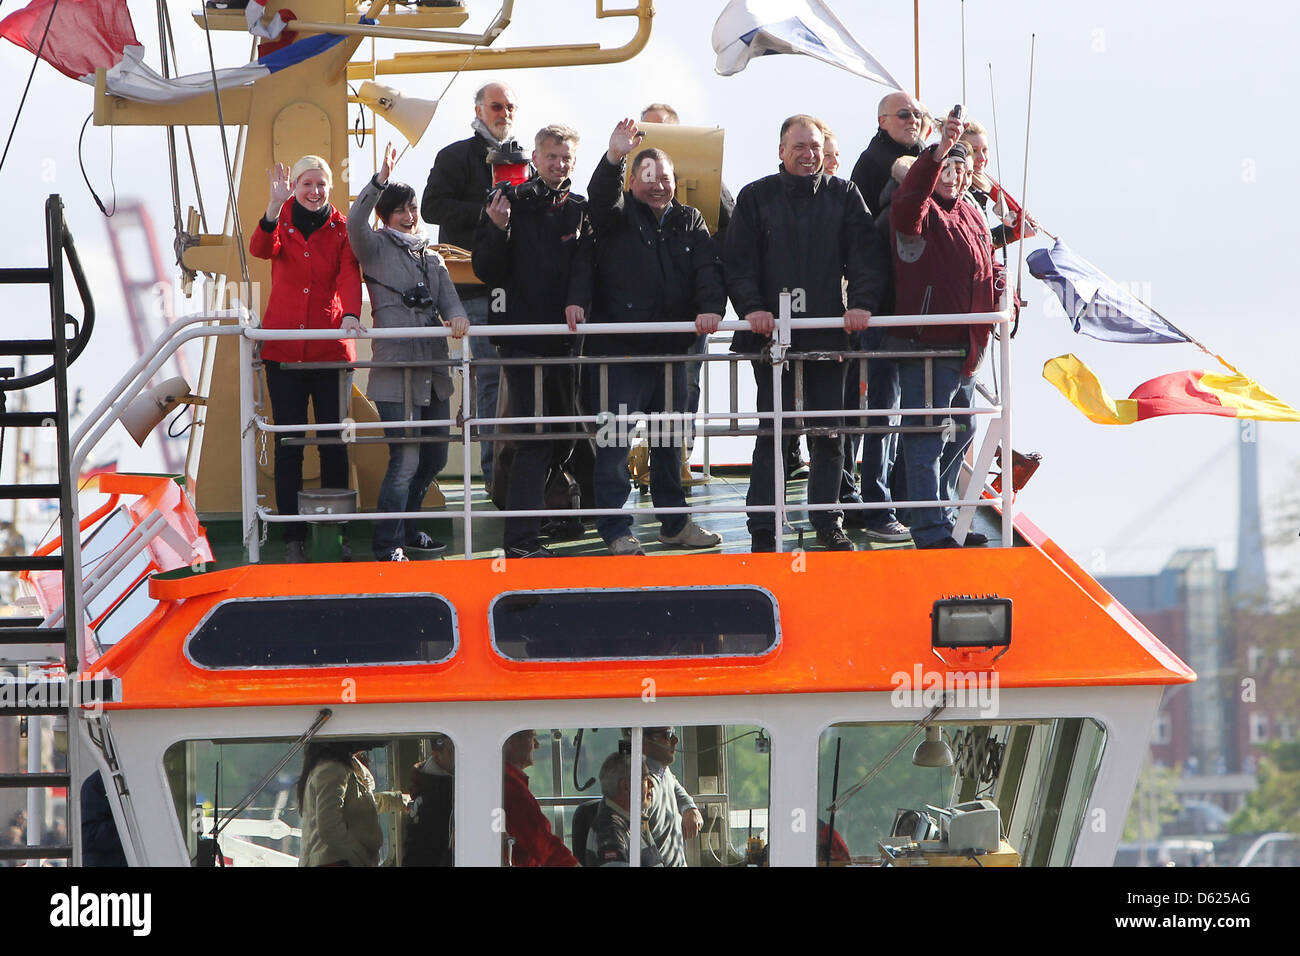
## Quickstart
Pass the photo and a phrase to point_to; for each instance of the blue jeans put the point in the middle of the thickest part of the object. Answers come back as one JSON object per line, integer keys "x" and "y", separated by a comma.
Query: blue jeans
{"x": 487, "y": 380}
{"x": 955, "y": 451}
{"x": 411, "y": 470}
{"x": 879, "y": 451}
{"x": 922, "y": 451}
{"x": 638, "y": 388}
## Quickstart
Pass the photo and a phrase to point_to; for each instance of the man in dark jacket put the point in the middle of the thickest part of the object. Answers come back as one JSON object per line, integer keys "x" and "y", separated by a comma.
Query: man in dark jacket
{"x": 663, "y": 113}
{"x": 806, "y": 232}
{"x": 942, "y": 264}
{"x": 654, "y": 262}
{"x": 453, "y": 199}
{"x": 609, "y": 841}
{"x": 527, "y": 249}
{"x": 430, "y": 830}
{"x": 900, "y": 119}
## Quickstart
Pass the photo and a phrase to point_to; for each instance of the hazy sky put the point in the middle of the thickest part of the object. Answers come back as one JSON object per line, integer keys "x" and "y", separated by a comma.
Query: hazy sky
{"x": 1160, "y": 150}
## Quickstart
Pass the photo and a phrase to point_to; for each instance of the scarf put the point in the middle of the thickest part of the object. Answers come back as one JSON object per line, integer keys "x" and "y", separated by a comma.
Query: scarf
{"x": 307, "y": 221}
{"x": 481, "y": 128}
{"x": 416, "y": 243}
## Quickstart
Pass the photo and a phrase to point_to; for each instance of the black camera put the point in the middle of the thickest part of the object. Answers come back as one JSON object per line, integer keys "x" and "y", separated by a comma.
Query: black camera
{"x": 528, "y": 191}
{"x": 510, "y": 174}
{"x": 417, "y": 298}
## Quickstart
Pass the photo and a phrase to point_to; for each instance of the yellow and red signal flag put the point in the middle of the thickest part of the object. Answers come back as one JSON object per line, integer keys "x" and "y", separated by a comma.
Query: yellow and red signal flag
{"x": 1190, "y": 392}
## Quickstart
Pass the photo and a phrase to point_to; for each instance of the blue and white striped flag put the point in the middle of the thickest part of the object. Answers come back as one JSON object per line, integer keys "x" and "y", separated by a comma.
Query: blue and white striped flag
{"x": 1095, "y": 303}
{"x": 750, "y": 28}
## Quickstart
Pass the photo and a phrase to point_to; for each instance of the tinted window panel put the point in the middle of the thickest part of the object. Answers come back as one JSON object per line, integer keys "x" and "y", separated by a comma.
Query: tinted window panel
{"x": 653, "y": 623}
{"x": 321, "y": 632}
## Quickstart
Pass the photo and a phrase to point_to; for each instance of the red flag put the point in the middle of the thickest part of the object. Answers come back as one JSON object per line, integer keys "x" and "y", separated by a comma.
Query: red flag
{"x": 83, "y": 36}
{"x": 1004, "y": 207}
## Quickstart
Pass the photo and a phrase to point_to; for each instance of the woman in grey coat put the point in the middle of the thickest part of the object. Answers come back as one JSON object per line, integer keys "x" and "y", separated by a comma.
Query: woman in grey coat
{"x": 409, "y": 287}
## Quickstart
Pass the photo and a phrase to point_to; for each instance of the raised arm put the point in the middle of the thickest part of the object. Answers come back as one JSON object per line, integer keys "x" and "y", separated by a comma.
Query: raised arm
{"x": 265, "y": 241}
{"x": 605, "y": 191}
{"x": 364, "y": 240}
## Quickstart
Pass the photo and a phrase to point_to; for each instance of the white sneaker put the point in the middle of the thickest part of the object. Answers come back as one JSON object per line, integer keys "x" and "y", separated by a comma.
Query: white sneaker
{"x": 397, "y": 554}
{"x": 692, "y": 536}
{"x": 626, "y": 545}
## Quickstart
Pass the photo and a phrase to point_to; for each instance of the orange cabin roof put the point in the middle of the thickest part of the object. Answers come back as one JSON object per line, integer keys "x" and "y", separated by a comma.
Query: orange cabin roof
{"x": 849, "y": 622}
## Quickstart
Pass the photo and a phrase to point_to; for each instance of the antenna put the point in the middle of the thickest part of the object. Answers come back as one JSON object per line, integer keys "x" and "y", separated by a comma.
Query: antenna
{"x": 1024, "y": 186}
{"x": 916, "y": 38}
{"x": 997, "y": 150}
{"x": 963, "y": 51}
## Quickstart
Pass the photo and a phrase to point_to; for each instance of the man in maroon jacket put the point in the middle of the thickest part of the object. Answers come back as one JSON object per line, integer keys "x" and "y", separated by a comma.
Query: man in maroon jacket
{"x": 530, "y": 839}
{"x": 943, "y": 263}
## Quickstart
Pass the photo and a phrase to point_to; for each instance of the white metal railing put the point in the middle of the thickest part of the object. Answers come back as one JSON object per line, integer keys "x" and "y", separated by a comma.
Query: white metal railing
{"x": 997, "y": 436}
{"x": 241, "y": 322}
{"x": 101, "y": 418}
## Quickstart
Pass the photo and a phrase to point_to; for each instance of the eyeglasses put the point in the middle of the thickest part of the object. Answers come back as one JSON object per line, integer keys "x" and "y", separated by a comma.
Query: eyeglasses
{"x": 909, "y": 114}
{"x": 503, "y": 107}
{"x": 663, "y": 733}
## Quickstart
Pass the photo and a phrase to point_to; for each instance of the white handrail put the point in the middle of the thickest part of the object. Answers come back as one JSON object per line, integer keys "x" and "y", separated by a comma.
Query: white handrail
{"x": 785, "y": 327}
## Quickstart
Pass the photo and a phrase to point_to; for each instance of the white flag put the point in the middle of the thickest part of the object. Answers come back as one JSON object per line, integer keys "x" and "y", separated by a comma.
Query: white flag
{"x": 750, "y": 28}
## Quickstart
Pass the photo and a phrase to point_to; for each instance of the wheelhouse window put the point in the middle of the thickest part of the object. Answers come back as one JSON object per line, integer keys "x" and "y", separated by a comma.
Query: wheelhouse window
{"x": 624, "y": 624}
{"x": 704, "y": 796}
{"x": 325, "y": 631}
{"x": 1037, "y": 775}
{"x": 407, "y": 819}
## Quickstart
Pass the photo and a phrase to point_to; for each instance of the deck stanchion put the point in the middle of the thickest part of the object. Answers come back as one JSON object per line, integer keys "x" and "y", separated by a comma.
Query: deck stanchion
{"x": 248, "y": 453}
{"x": 1008, "y": 461}
{"x": 779, "y": 347}
{"x": 467, "y": 392}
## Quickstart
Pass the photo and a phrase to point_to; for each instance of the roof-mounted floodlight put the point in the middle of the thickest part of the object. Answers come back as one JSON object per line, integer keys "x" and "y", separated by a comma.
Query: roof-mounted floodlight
{"x": 969, "y": 625}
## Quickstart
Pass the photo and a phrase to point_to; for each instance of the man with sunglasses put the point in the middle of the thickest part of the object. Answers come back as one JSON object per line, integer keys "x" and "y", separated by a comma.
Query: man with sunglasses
{"x": 453, "y": 199}
{"x": 672, "y": 815}
{"x": 902, "y": 120}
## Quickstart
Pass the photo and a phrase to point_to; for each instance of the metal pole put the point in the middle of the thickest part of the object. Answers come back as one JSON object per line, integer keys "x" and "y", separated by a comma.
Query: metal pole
{"x": 1008, "y": 464}
{"x": 466, "y": 396}
{"x": 916, "y": 35}
{"x": 778, "y": 448}
{"x": 248, "y": 453}
{"x": 634, "y": 804}
{"x": 69, "y": 519}
{"x": 1024, "y": 183}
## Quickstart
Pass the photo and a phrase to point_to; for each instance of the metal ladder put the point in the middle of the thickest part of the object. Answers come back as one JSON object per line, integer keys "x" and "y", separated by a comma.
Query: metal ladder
{"x": 23, "y": 637}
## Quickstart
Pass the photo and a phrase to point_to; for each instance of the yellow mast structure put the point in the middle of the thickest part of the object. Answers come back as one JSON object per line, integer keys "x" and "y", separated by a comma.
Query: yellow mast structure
{"x": 299, "y": 110}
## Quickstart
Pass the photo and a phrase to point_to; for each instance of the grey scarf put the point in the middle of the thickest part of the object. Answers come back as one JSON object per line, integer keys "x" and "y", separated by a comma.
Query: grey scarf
{"x": 481, "y": 128}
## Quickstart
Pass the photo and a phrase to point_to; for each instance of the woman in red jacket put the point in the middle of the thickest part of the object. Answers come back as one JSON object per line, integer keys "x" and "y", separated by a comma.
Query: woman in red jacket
{"x": 315, "y": 284}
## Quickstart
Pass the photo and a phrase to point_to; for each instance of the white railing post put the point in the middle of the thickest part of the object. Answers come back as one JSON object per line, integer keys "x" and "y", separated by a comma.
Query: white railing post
{"x": 468, "y": 398}
{"x": 779, "y": 346}
{"x": 1008, "y": 456}
{"x": 248, "y": 437}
